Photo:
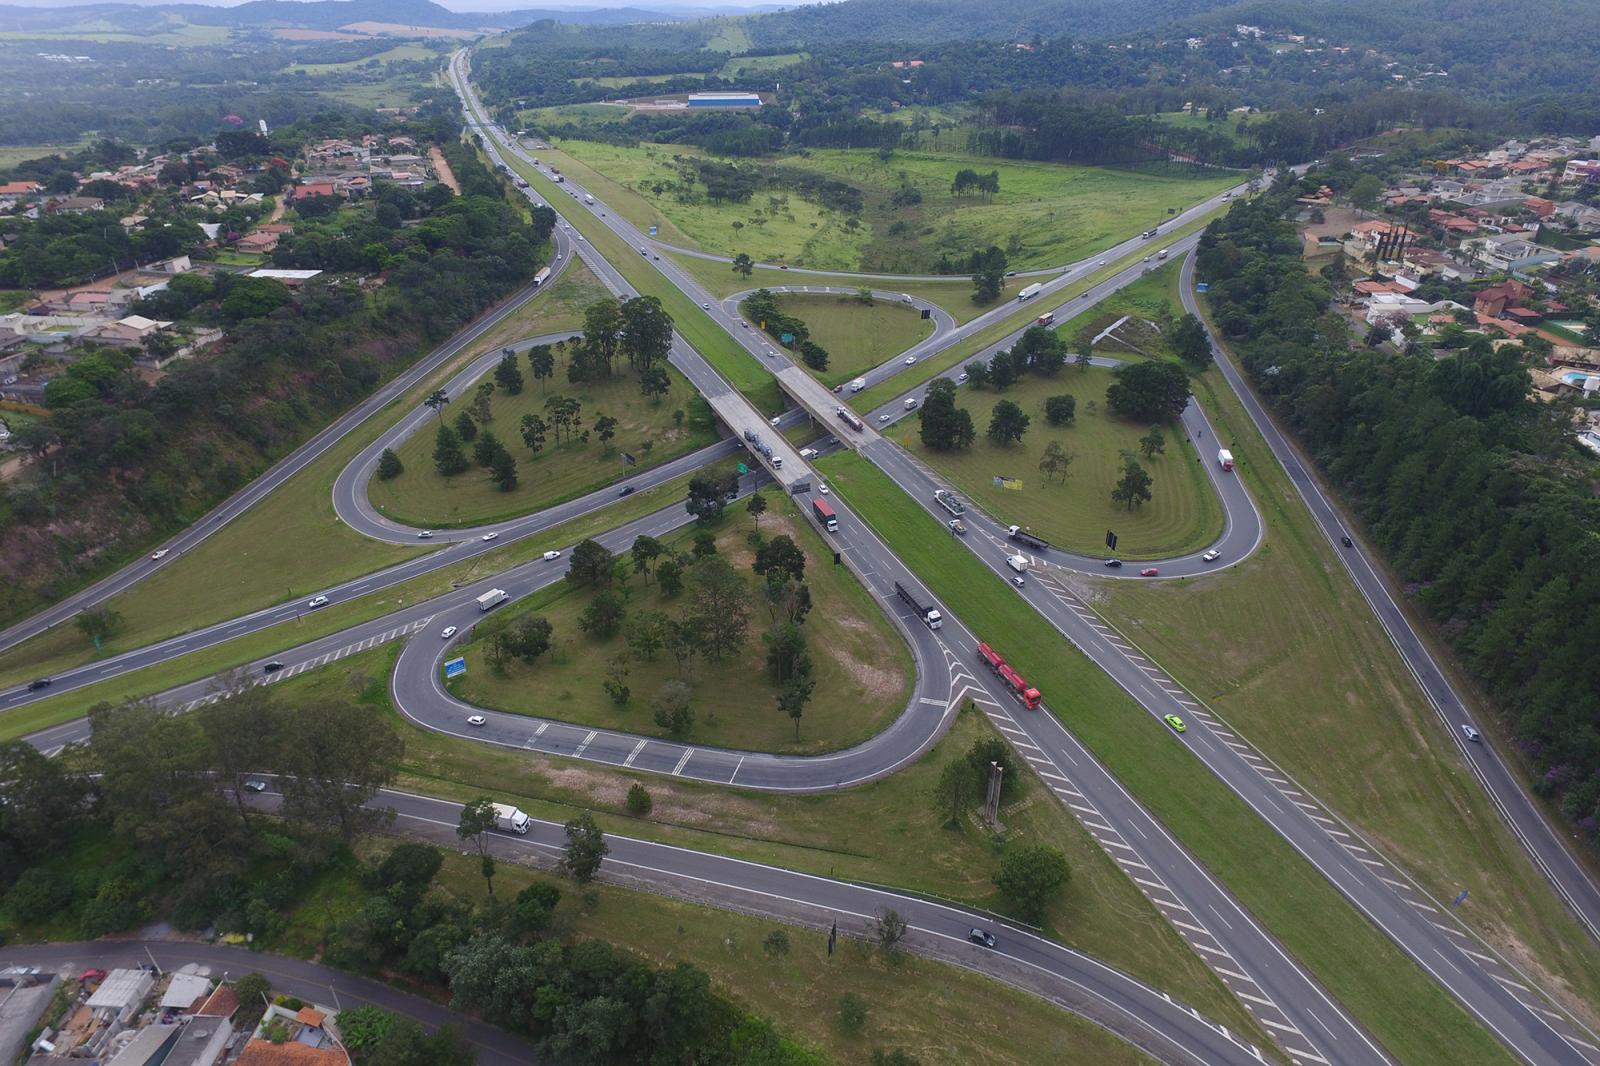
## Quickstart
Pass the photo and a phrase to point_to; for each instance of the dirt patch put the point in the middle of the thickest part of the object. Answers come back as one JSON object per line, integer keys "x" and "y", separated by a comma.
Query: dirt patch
{"x": 878, "y": 681}
{"x": 669, "y": 804}
{"x": 400, "y": 29}
{"x": 442, "y": 168}
{"x": 317, "y": 35}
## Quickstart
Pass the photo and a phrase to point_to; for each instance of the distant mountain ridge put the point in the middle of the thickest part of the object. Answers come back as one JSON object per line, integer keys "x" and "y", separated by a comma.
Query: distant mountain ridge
{"x": 998, "y": 20}
{"x": 313, "y": 15}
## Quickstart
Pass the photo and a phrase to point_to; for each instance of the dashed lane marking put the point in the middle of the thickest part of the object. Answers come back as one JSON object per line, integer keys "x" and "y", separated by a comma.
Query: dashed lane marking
{"x": 578, "y": 754}
{"x": 634, "y": 754}
{"x": 677, "y": 770}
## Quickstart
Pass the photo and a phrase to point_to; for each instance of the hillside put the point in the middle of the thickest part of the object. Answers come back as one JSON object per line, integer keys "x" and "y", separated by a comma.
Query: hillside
{"x": 941, "y": 20}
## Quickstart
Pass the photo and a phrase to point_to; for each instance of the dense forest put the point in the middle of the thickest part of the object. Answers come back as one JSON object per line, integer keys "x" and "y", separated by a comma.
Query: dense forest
{"x": 1476, "y": 493}
{"x": 128, "y": 458}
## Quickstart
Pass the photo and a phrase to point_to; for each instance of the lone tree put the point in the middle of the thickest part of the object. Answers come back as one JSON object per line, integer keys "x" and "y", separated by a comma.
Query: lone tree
{"x": 389, "y": 465}
{"x": 708, "y": 495}
{"x": 542, "y": 361}
{"x": 670, "y": 707}
{"x": 1056, "y": 460}
{"x": 436, "y": 401}
{"x": 757, "y": 506}
{"x": 1007, "y": 423}
{"x": 743, "y": 265}
{"x": 99, "y": 624}
{"x": 1061, "y": 410}
{"x": 1029, "y": 877}
{"x": 507, "y": 374}
{"x": 891, "y": 928}
{"x": 1189, "y": 341}
{"x": 592, "y": 564}
{"x": 944, "y": 425}
{"x": 477, "y": 818}
{"x": 1133, "y": 488}
{"x": 586, "y": 848}
{"x": 1153, "y": 443}
{"x": 447, "y": 454}
{"x": 957, "y": 788}
{"x": 1149, "y": 391}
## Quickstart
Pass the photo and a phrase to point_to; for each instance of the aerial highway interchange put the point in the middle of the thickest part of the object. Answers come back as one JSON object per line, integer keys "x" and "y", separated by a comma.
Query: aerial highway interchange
{"x": 1304, "y": 1020}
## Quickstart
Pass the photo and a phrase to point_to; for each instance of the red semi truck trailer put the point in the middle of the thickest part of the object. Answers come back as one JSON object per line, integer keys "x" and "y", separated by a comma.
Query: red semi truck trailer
{"x": 1009, "y": 677}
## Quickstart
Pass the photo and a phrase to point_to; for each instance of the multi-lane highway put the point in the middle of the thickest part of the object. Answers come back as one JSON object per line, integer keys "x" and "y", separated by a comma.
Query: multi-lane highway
{"x": 1301, "y": 1016}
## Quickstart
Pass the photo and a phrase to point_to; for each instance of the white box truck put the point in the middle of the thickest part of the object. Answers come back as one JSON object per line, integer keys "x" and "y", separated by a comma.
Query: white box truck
{"x": 1225, "y": 458}
{"x": 1019, "y": 563}
{"x": 509, "y": 819}
{"x": 492, "y": 598}
{"x": 588, "y": 198}
{"x": 858, "y": 384}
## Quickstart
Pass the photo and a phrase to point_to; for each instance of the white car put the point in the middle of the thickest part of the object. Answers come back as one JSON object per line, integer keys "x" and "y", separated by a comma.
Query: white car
{"x": 319, "y": 601}
{"x": 449, "y": 631}
{"x": 1101, "y": 263}
{"x": 1211, "y": 556}
{"x": 823, "y": 489}
{"x": 905, "y": 297}
{"x": 489, "y": 536}
{"x": 883, "y": 418}
{"x": 255, "y": 785}
{"x": 910, "y": 360}
{"x": 426, "y": 534}
{"x": 705, "y": 307}
{"x": 774, "y": 420}
{"x": 961, "y": 376}
{"x": 552, "y": 555}
{"x": 476, "y": 719}
{"x": 159, "y": 553}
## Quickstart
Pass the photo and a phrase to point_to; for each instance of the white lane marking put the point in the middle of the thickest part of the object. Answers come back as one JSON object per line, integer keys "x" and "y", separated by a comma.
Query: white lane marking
{"x": 933, "y": 702}
{"x": 737, "y": 767}
{"x": 676, "y": 770}
{"x": 1279, "y": 1025}
{"x": 634, "y": 754}
{"x": 586, "y": 742}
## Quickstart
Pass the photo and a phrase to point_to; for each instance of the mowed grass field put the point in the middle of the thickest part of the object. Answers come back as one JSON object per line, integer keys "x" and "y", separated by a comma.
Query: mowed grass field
{"x": 1292, "y": 656}
{"x": 1414, "y": 1018}
{"x": 401, "y": 52}
{"x": 856, "y": 336}
{"x": 1046, "y": 214}
{"x": 886, "y": 832}
{"x": 863, "y": 668}
{"x": 1182, "y": 515}
{"x": 422, "y": 496}
{"x": 774, "y": 225}
{"x": 291, "y": 543}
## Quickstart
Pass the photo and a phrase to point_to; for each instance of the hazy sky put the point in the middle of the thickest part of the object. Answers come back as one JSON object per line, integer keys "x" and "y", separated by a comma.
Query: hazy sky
{"x": 481, "y": 5}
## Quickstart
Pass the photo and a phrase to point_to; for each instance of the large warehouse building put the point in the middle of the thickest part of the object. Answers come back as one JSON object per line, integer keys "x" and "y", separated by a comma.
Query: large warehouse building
{"x": 724, "y": 100}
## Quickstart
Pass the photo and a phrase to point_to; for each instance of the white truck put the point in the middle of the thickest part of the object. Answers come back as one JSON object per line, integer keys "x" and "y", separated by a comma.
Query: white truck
{"x": 1019, "y": 563}
{"x": 588, "y": 198}
{"x": 492, "y": 598}
{"x": 1030, "y": 292}
{"x": 930, "y": 615}
{"x": 1225, "y": 458}
{"x": 509, "y": 819}
{"x": 858, "y": 384}
{"x": 947, "y": 499}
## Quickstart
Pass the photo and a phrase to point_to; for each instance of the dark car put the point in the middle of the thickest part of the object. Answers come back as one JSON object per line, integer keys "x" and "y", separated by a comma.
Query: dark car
{"x": 272, "y": 668}
{"x": 1114, "y": 563}
{"x": 35, "y": 686}
{"x": 1347, "y": 542}
{"x": 982, "y": 936}
{"x": 627, "y": 490}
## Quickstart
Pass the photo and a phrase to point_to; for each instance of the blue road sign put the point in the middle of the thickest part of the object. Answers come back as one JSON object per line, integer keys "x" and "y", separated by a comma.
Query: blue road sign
{"x": 652, "y": 231}
{"x": 455, "y": 667}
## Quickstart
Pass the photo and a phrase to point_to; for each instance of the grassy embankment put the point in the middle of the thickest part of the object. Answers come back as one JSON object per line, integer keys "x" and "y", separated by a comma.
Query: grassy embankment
{"x": 888, "y": 832}
{"x": 1292, "y": 656}
{"x": 863, "y": 670}
{"x": 1396, "y": 1001}
{"x": 1074, "y": 513}
{"x": 291, "y": 543}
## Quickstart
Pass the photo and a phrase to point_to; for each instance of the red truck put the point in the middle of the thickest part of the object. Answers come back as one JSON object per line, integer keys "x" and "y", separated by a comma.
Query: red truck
{"x": 1019, "y": 688}
{"x": 825, "y": 515}
{"x": 1045, "y": 319}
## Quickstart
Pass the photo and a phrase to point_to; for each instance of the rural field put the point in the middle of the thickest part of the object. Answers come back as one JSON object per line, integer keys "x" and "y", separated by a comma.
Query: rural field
{"x": 863, "y": 669}
{"x": 1045, "y": 213}
{"x": 856, "y": 336}
{"x": 1183, "y": 514}
{"x": 652, "y": 430}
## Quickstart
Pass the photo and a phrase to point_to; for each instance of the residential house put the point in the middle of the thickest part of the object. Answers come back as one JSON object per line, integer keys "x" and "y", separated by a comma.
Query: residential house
{"x": 74, "y": 205}
{"x": 1581, "y": 171}
{"x": 130, "y": 331}
{"x": 292, "y": 278}
{"x": 305, "y": 1038}
{"x": 315, "y": 188}
{"x": 1576, "y": 215}
{"x": 256, "y": 242}
{"x": 1446, "y": 189}
{"x": 176, "y": 265}
{"x": 13, "y": 193}
{"x": 1539, "y": 206}
{"x": 1493, "y": 300}
{"x": 1508, "y": 253}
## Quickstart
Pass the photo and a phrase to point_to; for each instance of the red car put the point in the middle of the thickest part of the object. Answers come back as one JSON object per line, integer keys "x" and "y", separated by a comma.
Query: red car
{"x": 1149, "y": 571}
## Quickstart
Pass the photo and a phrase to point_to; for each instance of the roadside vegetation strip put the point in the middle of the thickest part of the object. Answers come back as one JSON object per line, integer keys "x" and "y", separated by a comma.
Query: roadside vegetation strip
{"x": 1023, "y": 316}
{"x": 856, "y": 335}
{"x": 1387, "y": 993}
{"x": 310, "y": 626}
{"x": 1073, "y": 514}
{"x": 737, "y": 366}
{"x": 890, "y": 832}
{"x": 1289, "y": 629}
{"x": 291, "y": 543}
{"x": 863, "y": 670}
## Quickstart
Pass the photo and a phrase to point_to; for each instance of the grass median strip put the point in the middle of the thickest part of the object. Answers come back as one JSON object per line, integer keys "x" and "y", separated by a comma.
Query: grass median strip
{"x": 332, "y": 619}
{"x": 1382, "y": 988}
{"x": 735, "y": 364}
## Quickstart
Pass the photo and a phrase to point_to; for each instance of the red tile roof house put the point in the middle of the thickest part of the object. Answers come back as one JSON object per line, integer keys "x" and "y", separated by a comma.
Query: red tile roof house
{"x": 315, "y": 188}
{"x": 256, "y": 242}
{"x": 1493, "y": 300}
{"x": 1540, "y": 206}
